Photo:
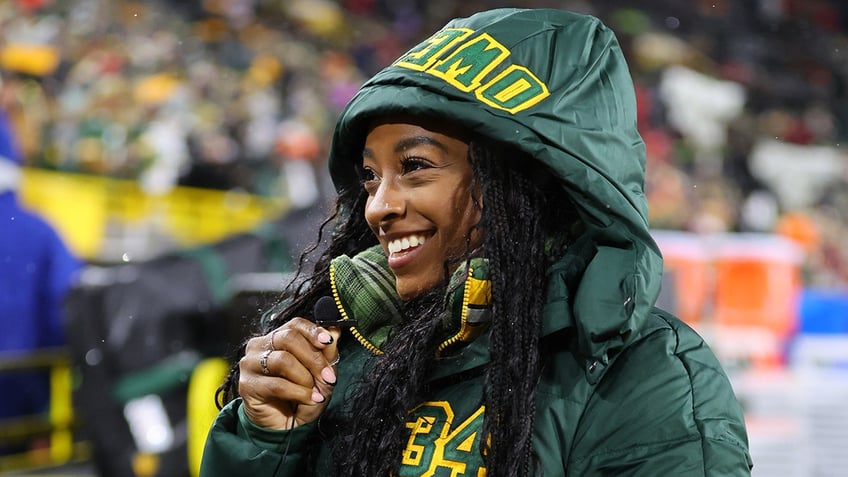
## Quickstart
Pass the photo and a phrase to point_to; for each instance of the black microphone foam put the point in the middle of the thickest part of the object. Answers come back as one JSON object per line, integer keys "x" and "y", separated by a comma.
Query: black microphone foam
{"x": 326, "y": 314}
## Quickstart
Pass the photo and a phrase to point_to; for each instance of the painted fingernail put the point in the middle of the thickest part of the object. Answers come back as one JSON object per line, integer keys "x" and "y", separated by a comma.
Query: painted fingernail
{"x": 325, "y": 338}
{"x": 328, "y": 375}
{"x": 316, "y": 396}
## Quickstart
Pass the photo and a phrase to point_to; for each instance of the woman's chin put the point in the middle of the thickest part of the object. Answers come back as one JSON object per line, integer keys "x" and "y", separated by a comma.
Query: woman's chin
{"x": 410, "y": 289}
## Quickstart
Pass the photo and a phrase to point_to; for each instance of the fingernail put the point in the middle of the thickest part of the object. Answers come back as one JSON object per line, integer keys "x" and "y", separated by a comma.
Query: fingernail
{"x": 328, "y": 375}
{"x": 325, "y": 338}
{"x": 316, "y": 396}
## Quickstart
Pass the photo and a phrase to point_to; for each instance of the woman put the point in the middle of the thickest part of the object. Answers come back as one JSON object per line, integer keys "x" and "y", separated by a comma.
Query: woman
{"x": 492, "y": 254}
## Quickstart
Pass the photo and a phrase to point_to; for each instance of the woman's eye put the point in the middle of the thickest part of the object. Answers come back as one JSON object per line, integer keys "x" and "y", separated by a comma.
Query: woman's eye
{"x": 368, "y": 178}
{"x": 368, "y": 175}
{"x": 412, "y": 164}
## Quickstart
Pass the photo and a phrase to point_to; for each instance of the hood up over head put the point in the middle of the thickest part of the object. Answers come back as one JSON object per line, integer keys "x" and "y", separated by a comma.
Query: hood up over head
{"x": 555, "y": 85}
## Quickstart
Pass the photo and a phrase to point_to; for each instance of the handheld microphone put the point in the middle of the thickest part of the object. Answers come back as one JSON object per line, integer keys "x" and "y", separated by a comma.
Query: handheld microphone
{"x": 327, "y": 314}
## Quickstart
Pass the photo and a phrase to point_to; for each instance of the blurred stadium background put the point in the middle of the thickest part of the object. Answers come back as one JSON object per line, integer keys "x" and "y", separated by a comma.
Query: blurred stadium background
{"x": 178, "y": 148}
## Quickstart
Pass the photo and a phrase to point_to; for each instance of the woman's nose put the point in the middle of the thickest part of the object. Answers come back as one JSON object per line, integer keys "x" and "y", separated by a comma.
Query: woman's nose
{"x": 388, "y": 202}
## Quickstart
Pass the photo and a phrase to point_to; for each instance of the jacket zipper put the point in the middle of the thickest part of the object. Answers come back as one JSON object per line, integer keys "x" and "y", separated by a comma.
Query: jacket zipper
{"x": 466, "y": 297}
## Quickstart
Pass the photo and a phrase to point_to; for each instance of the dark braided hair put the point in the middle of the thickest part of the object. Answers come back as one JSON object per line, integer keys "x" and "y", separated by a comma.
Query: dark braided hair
{"x": 517, "y": 216}
{"x": 525, "y": 221}
{"x": 350, "y": 235}
{"x": 375, "y": 435}
{"x": 520, "y": 211}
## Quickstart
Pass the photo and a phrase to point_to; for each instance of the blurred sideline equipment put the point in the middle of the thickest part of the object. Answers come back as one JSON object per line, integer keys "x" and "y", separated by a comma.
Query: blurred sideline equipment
{"x": 201, "y": 411}
{"x": 786, "y": 346}
{"x": 758, "y": 284}
{"x": 58, "y": 424}
{"x": 740, "y": 290}
{"x": 150, "y": 342}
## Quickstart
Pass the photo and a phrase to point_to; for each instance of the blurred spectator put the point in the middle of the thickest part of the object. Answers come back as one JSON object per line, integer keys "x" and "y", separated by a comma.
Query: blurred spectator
{"x": 36, "y": 270}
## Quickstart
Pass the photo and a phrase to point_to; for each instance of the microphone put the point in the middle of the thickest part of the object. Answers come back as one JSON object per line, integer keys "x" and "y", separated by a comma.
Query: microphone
{"x": 326, "y": 314}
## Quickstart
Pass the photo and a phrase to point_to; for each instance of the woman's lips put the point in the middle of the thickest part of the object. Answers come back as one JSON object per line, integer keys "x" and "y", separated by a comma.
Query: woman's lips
{"x": 403, "y": 250}
{"x": 405, "y": 243}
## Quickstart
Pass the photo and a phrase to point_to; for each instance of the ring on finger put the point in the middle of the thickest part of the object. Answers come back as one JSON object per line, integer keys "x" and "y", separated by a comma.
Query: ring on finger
{"x": 263, "y": 361}
{"x": 336, "y": 361}
{"x": 271, "y": 340}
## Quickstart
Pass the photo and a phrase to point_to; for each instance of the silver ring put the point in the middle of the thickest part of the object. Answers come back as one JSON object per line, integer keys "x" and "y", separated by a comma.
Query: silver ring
{"x": 336, "y": 361}
{"x": 271, "y": 340}
{"x": 263, "y": 361}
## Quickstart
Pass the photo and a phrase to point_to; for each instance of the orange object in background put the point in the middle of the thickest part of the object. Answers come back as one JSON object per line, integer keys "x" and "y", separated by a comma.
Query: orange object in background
{"x": 740, "y": 291}
{"x": 757, "y": 287}
{"x": 758, "y": 280}
{"x": 801, "y": 228}
{"x": 689, "y": 274}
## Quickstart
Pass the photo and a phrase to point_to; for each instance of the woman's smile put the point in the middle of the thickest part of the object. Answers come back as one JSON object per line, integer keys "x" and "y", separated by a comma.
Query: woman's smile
{"x": 405, "y": 244}
{"x": 420, "y": 203}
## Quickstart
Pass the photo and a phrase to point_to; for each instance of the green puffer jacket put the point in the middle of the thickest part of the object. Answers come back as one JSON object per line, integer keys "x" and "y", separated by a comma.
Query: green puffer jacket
{"x": 626, "y": 389}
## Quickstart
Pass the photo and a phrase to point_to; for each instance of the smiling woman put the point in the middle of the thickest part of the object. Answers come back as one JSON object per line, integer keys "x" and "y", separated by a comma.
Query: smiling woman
{"x": 420, "y": 204}
{"x": 492, "y": 266}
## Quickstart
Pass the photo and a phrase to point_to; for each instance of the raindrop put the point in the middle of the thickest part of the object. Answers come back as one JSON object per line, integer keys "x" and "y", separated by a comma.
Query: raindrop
{"x": 93, "y": 357}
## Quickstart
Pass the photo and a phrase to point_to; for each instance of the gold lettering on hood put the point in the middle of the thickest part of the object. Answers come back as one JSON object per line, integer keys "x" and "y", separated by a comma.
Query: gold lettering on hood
{"x": 469, "y": 65}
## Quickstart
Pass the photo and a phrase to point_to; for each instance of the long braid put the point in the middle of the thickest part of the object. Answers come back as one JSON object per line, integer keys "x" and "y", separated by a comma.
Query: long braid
{"x": 391, "y": 385}
{"x": 515, "y": 227}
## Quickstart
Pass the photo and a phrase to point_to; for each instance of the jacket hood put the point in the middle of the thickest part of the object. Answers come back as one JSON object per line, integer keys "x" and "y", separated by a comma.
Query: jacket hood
{"x": 554, "y": 84}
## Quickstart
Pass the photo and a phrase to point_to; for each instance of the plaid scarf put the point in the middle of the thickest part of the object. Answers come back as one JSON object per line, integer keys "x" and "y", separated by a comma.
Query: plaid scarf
{"x": 364, "y": 290}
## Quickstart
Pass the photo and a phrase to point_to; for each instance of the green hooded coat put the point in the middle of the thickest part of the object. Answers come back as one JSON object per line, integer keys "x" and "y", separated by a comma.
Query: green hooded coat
{"x": 632, "y": 391}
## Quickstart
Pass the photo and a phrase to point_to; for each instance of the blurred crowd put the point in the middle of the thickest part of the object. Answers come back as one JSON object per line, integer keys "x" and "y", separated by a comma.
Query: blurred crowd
{"x": 743, "y": 105}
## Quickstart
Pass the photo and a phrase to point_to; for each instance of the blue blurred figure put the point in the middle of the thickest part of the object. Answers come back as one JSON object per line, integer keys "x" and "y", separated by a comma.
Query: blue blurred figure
{"x": 36, "y": 272}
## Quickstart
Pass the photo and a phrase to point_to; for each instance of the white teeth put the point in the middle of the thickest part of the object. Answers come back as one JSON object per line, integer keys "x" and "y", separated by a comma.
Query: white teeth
{"x": 405, "y": 243}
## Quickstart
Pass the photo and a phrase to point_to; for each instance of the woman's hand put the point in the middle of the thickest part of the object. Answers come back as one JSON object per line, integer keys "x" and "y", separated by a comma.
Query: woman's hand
{"x": 287, "y": 376}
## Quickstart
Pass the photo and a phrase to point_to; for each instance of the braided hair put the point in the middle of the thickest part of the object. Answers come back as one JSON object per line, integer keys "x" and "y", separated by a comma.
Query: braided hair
{"x": 521, "y": 214}
{"x": 526, "y": 220}
{"x": 350, "y": 235}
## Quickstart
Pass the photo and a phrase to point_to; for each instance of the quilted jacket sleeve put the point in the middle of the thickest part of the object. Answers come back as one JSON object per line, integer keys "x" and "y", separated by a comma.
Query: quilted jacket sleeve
{"x": 237, "y": 447}
{"x": 666, "y": 407}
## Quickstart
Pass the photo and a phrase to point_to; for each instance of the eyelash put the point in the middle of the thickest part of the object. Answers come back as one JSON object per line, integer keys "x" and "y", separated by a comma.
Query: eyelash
{"x": 412, "y": 163}
{"x": 409, "y": 164}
